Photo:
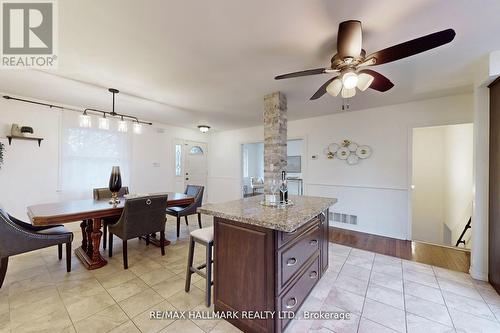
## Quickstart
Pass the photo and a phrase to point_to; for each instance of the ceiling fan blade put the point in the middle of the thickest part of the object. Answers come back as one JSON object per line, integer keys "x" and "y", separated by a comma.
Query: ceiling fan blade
{"x": 322, "y": 90}
{"x": 349, "y": 39}
{"x": 302, "y": 73}
{"x": 412, "y": 47}
{"x": 380, "y": 82}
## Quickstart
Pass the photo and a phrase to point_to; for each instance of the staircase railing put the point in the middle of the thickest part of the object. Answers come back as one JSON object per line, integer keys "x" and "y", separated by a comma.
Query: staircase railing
{"x": 460, "y": 239}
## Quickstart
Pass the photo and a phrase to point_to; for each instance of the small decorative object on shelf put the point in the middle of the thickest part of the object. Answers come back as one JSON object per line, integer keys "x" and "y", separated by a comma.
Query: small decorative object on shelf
{"x": 2, "y": 149}
{"x": 347, "y": 150}
{"x": 26, "y": 130}
{"x": 115, "y": 184}
{"x": 15, "y": 130}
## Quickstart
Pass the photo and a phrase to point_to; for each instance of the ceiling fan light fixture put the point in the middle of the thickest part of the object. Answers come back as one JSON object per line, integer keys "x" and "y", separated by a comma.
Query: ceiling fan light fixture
{"x": 364, "y": 81}
{"x": 348, "y": 93}
{"x": 334, "y": 87}
{"x": 349, "y": 80}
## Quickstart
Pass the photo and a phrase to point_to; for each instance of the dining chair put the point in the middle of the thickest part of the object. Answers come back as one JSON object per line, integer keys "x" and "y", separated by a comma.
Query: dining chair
{"x": 195, "y": 191}
{"x": 140, "y": 217}
{"x": 103, "y": 193}
{"x": 18, "y": 237}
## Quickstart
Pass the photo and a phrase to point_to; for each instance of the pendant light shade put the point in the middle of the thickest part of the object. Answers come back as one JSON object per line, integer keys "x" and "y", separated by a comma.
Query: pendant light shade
{"x": 364, "y": 81}
{"x": 137, "y": 128}
{"x": 104, "y": 123}
{"x": 334, "y": 87}
{"x": 85, "y": 120}
{"x": 122, "y": 126}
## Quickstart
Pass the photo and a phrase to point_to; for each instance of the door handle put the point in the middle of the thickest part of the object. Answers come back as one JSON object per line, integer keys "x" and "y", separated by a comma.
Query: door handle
{"x": 313, "y": 242}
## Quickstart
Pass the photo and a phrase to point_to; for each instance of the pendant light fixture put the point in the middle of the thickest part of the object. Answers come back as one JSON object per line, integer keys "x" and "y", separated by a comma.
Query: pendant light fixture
{"x": 104, "y": 123}
{"x": 85, "y": 120}
{"x": 137, "y": 127}
{"x": 122, "y": 126}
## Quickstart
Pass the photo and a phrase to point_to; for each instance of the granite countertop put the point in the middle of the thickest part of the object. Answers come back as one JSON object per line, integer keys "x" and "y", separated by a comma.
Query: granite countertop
{"x": 250, "y": 211}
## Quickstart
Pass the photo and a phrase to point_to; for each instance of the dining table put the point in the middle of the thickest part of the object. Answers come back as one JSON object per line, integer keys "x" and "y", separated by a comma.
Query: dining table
{"x": 90, "y": 212}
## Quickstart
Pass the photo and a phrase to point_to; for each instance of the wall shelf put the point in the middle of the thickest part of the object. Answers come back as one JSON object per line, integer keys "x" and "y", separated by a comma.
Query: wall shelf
{"x": 10, "y": 137}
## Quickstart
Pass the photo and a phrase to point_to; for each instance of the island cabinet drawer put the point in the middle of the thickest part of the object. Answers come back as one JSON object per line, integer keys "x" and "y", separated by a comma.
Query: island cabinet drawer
{"x": 292, "y": 299}
{"x": 293, "y": 257}
{"x": 285, "y": 237}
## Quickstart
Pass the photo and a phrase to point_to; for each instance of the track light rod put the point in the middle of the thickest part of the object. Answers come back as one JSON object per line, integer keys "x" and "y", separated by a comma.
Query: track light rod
{"x": 114, "y": 114}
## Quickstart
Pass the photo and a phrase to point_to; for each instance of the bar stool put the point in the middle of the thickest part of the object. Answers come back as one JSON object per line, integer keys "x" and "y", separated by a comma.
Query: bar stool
{"x": 204, "y": 236}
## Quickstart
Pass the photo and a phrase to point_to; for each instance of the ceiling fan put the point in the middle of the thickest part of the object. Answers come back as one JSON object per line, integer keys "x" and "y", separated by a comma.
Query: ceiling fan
{"x": 351, "y": 62}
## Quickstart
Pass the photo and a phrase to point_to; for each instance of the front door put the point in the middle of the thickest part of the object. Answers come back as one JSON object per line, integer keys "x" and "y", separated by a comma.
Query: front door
{"x": 196, "y": 166}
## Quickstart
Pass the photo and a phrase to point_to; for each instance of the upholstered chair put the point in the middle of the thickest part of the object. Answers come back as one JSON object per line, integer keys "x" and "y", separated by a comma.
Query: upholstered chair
{"x": 140, "y": 217}
{"x": 103, "y": 193}
{"x": 195, "y": 191}
{"x": 18, "y": 237}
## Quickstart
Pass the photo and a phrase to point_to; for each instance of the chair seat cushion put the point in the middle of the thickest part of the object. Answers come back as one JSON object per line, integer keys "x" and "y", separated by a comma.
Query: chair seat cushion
{"x": 204, "y": 234}
{"x": 175, "y": 210}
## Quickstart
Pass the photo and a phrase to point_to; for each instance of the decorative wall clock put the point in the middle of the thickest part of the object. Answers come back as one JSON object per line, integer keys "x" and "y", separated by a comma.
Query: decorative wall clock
{"x": 347, "y": 150}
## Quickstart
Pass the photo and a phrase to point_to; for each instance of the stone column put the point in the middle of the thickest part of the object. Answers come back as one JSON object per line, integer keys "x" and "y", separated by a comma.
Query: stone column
{"x": 275, "y": 135}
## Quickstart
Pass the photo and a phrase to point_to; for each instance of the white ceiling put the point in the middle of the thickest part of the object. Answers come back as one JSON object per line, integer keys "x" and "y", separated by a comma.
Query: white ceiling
{"x": 186, "y": 62}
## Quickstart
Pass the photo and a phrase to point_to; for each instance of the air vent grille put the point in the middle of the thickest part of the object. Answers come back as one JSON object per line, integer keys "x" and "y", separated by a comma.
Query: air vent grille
{"x": 343, "y": 218}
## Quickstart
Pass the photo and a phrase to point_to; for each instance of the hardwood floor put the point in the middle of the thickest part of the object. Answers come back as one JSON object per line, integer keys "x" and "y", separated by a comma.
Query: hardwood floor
{"x": 458, "y": 260}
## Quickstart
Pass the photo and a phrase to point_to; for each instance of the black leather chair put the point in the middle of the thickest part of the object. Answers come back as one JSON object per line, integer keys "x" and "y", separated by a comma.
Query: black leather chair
{"x": 18, "y": 237}
{"x": 140, "y": 217}
{"x": 197, "y": 192}
{"x": 103, "y": 193}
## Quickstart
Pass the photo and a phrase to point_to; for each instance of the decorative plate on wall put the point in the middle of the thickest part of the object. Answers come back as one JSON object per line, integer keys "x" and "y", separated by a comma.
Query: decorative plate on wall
{"x": 363, "y": 151}
{"x": 353, "y": 159}
{"x": 333, "y": 147}
{"x": 343, "y": 153}
{"x": 347, "y": 150}
{"x": 353, "y": 146}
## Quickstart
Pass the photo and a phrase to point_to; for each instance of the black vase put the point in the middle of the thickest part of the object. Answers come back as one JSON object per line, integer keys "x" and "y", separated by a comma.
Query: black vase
{"x": 115, "y": 180}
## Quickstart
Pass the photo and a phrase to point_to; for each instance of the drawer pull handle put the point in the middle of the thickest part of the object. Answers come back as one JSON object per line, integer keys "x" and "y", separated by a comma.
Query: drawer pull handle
{"x": 313, "y": 242}
{"x": 322, "y": 217}
{"x": 290, "y": 304}
{"x": 292, "y": 232}
{"x": 291, "y": 262}
{"x": 313, "y": 274}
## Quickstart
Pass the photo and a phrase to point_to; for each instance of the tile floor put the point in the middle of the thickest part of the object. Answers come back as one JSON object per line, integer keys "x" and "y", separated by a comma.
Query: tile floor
{"x": 383, "y": 294}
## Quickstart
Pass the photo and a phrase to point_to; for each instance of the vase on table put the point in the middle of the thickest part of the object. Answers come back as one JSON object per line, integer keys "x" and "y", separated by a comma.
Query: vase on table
{"x": 115, "y": 184}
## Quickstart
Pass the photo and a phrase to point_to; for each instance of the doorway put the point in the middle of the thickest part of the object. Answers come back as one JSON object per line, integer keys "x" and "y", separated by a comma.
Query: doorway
{"x": 190, "y": 165}
{"x": 253, "y": 167}
{"x": 442, "y": 184}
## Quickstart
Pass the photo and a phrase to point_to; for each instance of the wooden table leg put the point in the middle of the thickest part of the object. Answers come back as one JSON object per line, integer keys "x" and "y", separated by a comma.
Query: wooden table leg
{"x": 90, "y": 256}
{"x": 83, "y": 226}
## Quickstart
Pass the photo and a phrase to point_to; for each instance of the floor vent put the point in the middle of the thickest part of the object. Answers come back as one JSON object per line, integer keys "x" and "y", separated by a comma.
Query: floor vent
{"x": 343, "y": 218}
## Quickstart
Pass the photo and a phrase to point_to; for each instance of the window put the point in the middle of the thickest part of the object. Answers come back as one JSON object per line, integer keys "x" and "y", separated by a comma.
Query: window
{"x": 196, "y": 150}
{"x": 87, "y": 156}
{"x": 245, "y": 161}
{"x": 178, "y": 159}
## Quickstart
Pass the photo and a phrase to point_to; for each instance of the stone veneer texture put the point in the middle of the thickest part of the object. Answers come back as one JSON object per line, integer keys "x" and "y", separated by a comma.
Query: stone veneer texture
{"x": 275, "y": 136}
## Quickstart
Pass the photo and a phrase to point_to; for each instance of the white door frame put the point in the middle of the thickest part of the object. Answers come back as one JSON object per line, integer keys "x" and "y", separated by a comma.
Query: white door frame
{"x": 304, "y": 162}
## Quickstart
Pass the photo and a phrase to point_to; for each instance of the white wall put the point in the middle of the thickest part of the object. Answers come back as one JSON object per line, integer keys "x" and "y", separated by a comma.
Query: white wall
{"x": 30, "y": 173}
{"x": 376, "y": 190}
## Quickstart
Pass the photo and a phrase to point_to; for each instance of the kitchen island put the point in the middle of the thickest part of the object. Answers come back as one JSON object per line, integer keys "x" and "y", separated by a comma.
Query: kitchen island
{"x": 267, "y": 259}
